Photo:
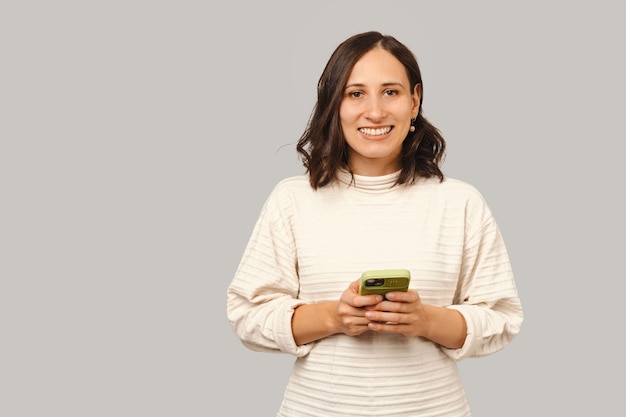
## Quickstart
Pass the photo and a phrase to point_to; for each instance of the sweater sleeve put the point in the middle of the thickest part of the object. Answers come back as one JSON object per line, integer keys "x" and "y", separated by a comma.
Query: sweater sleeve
{"x": 487, "y": 295}
{"x": 263, "y": 294}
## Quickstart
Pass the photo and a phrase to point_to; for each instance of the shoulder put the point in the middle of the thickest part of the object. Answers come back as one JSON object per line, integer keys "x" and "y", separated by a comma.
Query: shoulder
{"x": 292, "y": 185}
{"x": 458, "y": 197}
{"x": 452, "y": 188}
{"x": 296, "y": 181}
{"x": 462, "y": 188}
{"x": 287, "y": 190}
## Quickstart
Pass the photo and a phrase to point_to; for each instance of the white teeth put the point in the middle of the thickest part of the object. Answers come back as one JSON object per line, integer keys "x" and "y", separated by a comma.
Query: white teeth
{"x": 375, "y": 132}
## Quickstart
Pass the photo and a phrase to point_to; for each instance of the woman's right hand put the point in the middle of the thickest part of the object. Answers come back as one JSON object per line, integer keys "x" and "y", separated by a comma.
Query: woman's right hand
{"x": 350, "y": 310}
{"x": 311, "y": 322}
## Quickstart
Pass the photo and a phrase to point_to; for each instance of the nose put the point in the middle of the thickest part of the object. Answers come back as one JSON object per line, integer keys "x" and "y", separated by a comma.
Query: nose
{"x": 375, "y": 109}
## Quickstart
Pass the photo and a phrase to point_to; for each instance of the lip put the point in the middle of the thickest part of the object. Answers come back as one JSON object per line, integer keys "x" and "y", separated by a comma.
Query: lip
{"x": 368, "y": 134}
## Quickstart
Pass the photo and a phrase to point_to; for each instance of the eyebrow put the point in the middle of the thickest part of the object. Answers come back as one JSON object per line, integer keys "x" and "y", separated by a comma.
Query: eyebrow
{"x": 387, "y": 84}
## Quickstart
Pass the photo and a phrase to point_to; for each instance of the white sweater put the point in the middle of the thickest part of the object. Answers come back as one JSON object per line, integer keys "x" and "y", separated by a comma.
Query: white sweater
{"x": 307, "y": 246}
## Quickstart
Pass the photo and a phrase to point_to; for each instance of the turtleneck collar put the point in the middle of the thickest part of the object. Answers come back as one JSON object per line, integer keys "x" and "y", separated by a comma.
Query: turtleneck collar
{"x": 369, "y": 184}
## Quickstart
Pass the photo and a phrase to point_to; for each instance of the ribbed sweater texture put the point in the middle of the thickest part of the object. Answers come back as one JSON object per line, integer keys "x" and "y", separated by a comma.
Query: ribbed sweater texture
{"x": 308, "y": 245}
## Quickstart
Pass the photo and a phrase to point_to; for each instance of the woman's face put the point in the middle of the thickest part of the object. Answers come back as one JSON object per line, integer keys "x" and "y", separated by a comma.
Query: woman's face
{"x": 376, "y": 112}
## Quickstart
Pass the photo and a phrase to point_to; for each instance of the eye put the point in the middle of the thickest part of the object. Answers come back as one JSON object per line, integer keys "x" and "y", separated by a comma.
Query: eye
{"x": 355, "y": 94}
{"x": 391, "y": 92}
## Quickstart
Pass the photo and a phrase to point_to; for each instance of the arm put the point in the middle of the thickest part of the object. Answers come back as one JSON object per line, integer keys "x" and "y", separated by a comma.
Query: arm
{"x": 263, "y": 304}
{"x": 446, "y": 327}
{"x": 403, "y": 312}
{"x": 485, "y": 314}
{"x": 311, "y": 322}
{"x": 263, "y": 293}
{"x": 487, "y": 295}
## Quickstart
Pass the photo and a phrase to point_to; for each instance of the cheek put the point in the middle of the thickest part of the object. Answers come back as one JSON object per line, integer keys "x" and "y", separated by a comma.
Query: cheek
{"x": 403, "y": 110}
{"x": 347, "y": 114}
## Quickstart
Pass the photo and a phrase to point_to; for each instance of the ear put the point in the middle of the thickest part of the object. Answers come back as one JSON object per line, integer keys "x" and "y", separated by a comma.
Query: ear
{"x": 417, "y": 99}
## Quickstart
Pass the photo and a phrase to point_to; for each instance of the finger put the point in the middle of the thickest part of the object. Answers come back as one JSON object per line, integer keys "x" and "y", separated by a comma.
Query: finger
{"x": 387, "y": 327}
{"x": 392, "y": 306}
{"x": 401, "y": 296}
{"x": 354, "y": 285}
{"x": 367, "y": 300}
{"x": 385, "y": 317}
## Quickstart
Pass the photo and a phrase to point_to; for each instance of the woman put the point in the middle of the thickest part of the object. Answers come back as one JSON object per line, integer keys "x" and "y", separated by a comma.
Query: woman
{"x": 374, "y": 197}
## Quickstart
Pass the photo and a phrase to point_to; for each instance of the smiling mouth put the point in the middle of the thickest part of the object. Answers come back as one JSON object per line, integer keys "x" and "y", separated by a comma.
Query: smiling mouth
{"x": 375, "y": 132}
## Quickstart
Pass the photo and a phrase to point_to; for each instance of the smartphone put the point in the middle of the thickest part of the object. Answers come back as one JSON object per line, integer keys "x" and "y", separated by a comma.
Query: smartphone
{"x": 382, "y": 281}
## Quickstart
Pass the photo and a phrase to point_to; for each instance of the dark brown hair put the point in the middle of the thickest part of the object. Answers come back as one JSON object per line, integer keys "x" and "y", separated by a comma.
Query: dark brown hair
{"x": 322, "y": 147}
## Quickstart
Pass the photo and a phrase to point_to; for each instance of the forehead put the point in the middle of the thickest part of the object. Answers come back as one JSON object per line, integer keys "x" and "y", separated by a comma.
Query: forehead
{"x": 378, "y": 66}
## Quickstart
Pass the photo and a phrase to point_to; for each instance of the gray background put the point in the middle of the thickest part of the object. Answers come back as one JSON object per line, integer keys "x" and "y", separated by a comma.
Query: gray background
{"x": 139, "y": 140}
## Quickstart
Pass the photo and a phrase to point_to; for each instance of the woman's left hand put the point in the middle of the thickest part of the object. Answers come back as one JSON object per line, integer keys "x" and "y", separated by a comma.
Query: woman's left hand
{"x": 399, "y": 312}
{"x": 404, "y": 313}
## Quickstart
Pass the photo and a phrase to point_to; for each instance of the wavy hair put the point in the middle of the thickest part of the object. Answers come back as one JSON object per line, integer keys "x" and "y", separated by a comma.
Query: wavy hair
{"x": 322, "y": 147}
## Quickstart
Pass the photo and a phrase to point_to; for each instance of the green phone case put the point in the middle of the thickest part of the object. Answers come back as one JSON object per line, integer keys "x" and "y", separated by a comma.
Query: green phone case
{"x": 382, "y": 281}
